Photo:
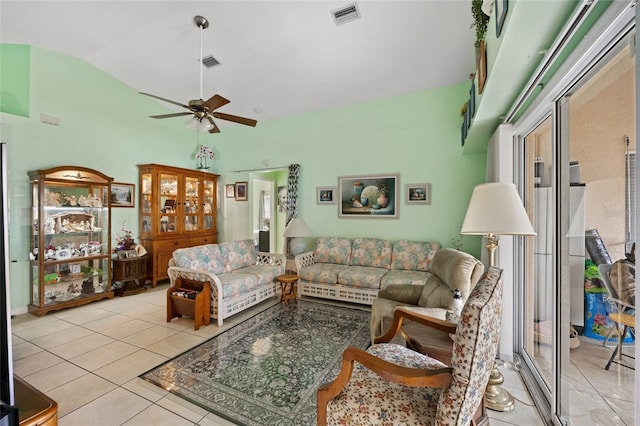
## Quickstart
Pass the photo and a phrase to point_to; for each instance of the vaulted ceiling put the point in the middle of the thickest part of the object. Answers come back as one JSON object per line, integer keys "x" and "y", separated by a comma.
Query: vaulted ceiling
{"x": 277, "y": 58}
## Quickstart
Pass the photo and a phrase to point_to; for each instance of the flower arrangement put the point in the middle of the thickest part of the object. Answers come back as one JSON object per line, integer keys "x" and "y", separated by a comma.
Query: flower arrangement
{"x": 203, "y": 153}
{"x": 383, "y": 188}
{"x": 124, "y": 241}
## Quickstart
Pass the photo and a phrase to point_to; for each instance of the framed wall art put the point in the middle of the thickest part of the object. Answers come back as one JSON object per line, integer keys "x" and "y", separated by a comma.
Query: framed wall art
{"x": 463, "y": 130}
{"x": 122, "y": 195}
{"x": 282, "y": 199}
{"x": 472, "y": 99}
{"x": 326, "y": 195}
{"x": 230, "y": 190}
{"x": 501, "y": 7}
{"x": 481, "y": 64}
{"x": 241, "y": 191}
{"x": 417, "y": 193}
{"x": 368, "y": 196}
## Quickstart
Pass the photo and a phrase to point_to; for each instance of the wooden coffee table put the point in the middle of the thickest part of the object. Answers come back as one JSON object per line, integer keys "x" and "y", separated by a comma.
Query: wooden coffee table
{"x": 288, "y": 287}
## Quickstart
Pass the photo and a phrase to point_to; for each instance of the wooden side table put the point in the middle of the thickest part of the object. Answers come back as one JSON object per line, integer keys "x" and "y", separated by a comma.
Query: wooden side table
{"x": 132, "y": 272}
{"x": 288, "y": 287}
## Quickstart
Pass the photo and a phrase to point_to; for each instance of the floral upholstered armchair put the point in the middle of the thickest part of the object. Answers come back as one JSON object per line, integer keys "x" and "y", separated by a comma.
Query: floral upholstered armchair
{"x": 390, "y": 384}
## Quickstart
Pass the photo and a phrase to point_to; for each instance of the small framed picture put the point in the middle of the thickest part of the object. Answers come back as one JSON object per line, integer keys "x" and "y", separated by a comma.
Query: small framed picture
{"x": 122, "y": 195}
{"x": 472, "y": 99}
{"x": 417, "y": 193}
{"x": 501, "y": 7}
{"x": 75, "y": 268}
{"x": 241, "y": 191}
{"x": 230, "y": 190}
{"x": 326, "y": 194}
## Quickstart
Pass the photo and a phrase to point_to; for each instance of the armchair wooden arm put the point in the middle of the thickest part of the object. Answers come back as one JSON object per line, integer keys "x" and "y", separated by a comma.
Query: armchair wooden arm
{"x": 410, "y": 315}
{"x": 439, "y": 378}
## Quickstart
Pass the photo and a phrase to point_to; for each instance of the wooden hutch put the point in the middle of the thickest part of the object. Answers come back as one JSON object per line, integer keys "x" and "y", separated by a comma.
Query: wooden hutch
{"x": 178, "y": 209}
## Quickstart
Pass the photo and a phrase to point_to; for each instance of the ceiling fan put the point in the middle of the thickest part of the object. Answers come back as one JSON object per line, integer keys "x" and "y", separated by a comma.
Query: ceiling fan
{"x": 203, "y": 111}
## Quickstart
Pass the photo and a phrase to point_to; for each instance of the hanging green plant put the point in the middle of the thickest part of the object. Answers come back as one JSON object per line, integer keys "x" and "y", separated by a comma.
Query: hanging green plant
{"x": 480, "y": 21}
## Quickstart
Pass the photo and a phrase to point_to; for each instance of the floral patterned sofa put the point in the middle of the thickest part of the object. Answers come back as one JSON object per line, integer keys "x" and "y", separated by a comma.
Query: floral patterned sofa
{"x": 354, "y": 270}
{"x": 240, "y": 276}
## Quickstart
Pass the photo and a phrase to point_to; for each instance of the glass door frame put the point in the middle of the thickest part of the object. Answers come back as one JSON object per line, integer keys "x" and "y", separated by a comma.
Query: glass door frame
{"x": 553, "y": 403}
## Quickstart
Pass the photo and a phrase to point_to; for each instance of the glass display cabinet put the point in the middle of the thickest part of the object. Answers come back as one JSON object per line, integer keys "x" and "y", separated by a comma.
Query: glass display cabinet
{"x": 177, "y": 209}
{"x": 70, "y": 244}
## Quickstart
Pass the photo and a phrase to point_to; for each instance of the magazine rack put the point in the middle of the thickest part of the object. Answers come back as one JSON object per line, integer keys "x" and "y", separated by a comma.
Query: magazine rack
{"x": 189, "y": 298}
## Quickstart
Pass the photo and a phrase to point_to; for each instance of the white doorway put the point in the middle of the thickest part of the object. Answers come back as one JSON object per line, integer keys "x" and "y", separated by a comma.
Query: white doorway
{"x": 263, "y": 213}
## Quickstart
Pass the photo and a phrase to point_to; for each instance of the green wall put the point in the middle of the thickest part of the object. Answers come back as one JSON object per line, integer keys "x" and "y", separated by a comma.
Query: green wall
{"x": 104, "y": 125}
{"x": 14, "y": 79}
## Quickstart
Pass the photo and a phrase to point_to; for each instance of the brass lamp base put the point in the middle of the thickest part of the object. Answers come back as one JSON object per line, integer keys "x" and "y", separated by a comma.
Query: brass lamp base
{"x": 497, "y": 398}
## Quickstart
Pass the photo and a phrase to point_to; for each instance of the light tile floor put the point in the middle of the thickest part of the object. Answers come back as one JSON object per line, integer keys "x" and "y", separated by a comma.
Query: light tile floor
{"x": 596, "y": 396}
{"x": 88, "y": 360}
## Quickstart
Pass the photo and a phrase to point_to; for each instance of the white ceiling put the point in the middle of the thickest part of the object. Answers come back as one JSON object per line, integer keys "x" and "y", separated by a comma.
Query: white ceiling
{"x": 278, "y": 58}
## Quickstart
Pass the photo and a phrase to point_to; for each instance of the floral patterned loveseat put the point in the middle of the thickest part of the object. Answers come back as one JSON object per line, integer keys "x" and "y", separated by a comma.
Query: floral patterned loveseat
{"x": 355, "y": 270}
{"x": 240, "y": 276}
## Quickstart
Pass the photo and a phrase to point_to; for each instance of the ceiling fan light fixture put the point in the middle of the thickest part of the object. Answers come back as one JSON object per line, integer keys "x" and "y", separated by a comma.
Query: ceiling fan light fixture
{"x": 204, "y": 125}
{"x": 198, "y": 123}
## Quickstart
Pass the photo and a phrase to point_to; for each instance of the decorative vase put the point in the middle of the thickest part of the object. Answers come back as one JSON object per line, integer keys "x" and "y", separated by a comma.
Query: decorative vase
{"x": 357, "y": 189}
{"x": 383, "y": 200}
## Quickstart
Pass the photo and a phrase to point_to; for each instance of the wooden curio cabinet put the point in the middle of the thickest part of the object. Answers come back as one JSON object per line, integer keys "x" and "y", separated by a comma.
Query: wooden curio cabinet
{"x": 70, "y": 244}
{"x": 177, "y": 209}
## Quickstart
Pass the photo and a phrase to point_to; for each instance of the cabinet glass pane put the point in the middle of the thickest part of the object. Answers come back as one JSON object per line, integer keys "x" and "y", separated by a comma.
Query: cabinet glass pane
{"x": 208, "y": 205}
{"x": 74, "y": 280}
{"x": 191, "y": 203}
{"x": 145, "y": 187}
{"x": 168, "y": 223}
{"x": 145, "y": 202}
{"x": 168, "y": 202}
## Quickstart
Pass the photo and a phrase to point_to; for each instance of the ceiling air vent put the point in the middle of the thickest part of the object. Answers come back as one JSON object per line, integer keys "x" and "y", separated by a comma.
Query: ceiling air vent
{"x": 346, "y": 14}
{"x": 210, "y": 61}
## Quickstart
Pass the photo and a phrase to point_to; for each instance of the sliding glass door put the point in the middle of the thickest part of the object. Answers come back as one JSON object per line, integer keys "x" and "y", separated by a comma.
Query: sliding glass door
{"x": 576, "y": 173}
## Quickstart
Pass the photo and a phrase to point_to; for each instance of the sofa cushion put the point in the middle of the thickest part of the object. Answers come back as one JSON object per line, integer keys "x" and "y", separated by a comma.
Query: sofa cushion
{"x": 238, "y": 254}
{"x": 333, "y": 250}
{"x": 451, "y": 269}
{"x": 234, "y": 284}
{"x": 371, "y": 252}
{"x": 361, "y": 276}
{"x": 201, "y": 258}
{"x": 264, "y": 273}
{"x": 321, "y": 273}
{"x": 413, "y": 255}
{"x": 395, "y": 277}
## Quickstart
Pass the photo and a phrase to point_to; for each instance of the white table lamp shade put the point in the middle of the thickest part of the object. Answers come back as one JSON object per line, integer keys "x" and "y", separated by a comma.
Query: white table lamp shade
{"x": 496, "y": 208}
{"x": 297, "y": 230}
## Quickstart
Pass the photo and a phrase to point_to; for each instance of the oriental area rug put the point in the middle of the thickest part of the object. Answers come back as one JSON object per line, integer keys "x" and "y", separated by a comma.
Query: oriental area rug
{"x": 266, "y": 370}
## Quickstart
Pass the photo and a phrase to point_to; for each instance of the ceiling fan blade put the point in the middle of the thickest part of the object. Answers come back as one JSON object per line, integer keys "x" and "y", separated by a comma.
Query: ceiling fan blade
{"x": 175, "y": 114}
{"x": 236, "y": 119}
{"x": 215, "y": 128}
{"x": 215, "y": 102}
{"x": 166, "y": 100}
